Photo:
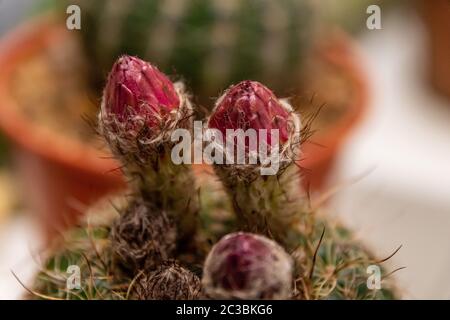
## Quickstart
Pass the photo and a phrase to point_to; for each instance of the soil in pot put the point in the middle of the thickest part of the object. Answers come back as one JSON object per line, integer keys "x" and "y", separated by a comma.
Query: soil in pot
{"x": 60, "y": 162}
{"x": 326, "y": 94}
{"x": 50, "y": 89}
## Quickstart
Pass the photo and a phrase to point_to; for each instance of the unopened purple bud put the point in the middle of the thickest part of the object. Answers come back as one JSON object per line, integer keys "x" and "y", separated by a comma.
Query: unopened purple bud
{"x": 247, "y": 266}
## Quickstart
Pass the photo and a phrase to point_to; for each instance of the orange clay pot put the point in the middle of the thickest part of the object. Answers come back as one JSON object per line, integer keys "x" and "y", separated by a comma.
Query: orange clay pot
{"x": 321, "y": 150}
{"x": 436, "y": 15}
{"x": 59, "y": 177}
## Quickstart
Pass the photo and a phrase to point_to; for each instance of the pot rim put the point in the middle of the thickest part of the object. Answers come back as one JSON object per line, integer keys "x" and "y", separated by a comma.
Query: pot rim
{"x": 16, "y": 46}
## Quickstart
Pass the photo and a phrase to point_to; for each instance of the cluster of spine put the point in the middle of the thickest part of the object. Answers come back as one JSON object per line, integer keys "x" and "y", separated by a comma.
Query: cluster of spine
{"x": 142, "y": 237}
{"x": 169, "y": 281}
{"x": 274, "y": 248}
{"x": 212, "y": 43}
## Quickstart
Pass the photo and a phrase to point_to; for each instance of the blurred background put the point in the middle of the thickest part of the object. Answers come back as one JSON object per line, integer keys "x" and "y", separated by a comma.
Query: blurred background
{"x": 375, "y": 80}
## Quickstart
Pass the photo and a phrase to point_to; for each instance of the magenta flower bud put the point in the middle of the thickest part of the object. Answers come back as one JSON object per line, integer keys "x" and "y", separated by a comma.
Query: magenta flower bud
{"x": 251, "y": 105}
{"x": 140, "y": 108}
{"x": 137, "y": 88}
{"x": 247, "y": 266}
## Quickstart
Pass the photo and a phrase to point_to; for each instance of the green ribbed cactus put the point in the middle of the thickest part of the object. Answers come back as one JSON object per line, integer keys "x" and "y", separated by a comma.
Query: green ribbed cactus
{"x": 212, "y": 43}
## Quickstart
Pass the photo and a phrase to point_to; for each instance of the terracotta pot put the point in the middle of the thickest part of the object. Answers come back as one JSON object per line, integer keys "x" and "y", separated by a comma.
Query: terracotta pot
{"x": 321, "y": 150}
{"x": 59, "y": 176}
{"x": 436, "y": 15}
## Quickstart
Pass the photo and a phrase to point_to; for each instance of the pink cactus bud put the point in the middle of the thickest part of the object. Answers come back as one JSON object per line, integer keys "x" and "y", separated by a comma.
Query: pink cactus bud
{"x": 250, "y": 105}
{"x": 140, "y": 109}
{"x": 137, "y": 88}
{"x": 247, "y": 266}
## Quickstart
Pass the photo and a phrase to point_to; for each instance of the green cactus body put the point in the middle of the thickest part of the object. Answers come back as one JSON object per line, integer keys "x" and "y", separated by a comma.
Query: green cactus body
{"x": 339, "y": 270}
{"x": 328, "y": 262}
{"x": 212, "y": 43}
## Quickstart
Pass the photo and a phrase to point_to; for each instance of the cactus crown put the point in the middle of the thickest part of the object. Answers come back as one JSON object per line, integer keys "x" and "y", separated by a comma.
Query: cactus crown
{"x": 213, "y": 43}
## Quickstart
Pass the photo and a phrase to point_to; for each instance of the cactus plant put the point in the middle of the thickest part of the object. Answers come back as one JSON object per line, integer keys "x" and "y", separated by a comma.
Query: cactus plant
{"x": 140, "y": 109}
{"x": 209, "y": 43}
{"x": 264, "y": 203}
{"x": 129, "y": 254}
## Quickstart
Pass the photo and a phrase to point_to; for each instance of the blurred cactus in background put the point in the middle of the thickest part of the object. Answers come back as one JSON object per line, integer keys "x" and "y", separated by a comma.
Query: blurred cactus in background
{"x": 212, "y": 43}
